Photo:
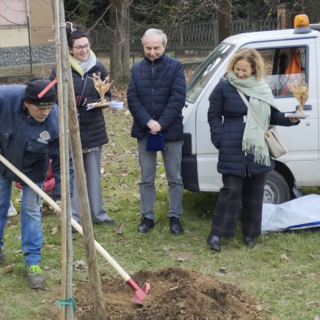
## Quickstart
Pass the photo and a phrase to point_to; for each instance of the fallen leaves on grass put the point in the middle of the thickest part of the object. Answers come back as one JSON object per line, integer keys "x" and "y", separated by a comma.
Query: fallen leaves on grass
{"x": 79, "y": 264}
{"x": 223, "y": 269}
{"x": 54, "y": 230}
{"x": 7, "y": 269}
{"x": 293, "y": 276}
{"x": 120, "y": 229}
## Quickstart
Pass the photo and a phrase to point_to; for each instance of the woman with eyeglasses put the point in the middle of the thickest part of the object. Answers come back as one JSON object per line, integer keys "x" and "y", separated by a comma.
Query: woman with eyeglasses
{"x": 91, "y": 122}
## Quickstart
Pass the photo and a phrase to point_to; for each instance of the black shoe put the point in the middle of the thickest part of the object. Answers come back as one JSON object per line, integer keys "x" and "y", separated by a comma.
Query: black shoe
{"x": 109, "y": 222}
{"x": 249, "y": 241}
{"x": 175, "y": 226}
{"x": 213, "y": 242}
{"x": 145, "y": 225}
{"x": 3, "y": 256}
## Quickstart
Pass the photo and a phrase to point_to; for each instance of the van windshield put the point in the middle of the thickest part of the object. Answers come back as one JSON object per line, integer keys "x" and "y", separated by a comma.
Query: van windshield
{"x": 202, "y": 75}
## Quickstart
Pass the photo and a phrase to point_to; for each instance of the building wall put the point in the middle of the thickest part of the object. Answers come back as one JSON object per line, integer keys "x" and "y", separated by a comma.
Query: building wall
{"x": 20, "y": 56}
{"x": 13, "y": 12}
{"x": 14, "y": 17}
{"x": 13, "y": 37}
{"x": 41, "y": 22}
{"x": 14, "y": 33}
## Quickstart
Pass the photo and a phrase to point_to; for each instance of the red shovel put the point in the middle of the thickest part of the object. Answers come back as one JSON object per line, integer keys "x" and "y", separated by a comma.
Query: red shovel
{"x": 141, "y": 293}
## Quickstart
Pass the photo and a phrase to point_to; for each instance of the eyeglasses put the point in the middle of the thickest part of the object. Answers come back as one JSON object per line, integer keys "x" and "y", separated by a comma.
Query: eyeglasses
{"x": 86, "y": 46}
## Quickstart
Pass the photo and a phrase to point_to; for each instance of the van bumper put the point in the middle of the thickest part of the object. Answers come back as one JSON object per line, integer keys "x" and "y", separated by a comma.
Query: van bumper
{"x": 189, "y": 172}
{"x": 189, "y": 166}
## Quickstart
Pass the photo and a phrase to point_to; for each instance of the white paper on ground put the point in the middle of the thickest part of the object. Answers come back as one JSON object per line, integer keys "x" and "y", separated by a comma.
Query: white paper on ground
{"x": 300, "y": 213}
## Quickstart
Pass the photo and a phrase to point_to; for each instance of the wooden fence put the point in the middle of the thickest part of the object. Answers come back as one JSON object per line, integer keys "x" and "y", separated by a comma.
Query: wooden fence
{"x": 199, "y": 35}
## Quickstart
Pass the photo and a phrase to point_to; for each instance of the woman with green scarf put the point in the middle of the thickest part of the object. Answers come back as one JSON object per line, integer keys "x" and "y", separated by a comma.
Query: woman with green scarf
{"x": 244, "y": 157}
{"x": 91, "y": 122}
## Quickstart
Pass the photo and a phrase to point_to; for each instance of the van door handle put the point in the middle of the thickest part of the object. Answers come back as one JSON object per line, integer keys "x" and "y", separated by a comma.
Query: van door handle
{"x": 305, "y": 107}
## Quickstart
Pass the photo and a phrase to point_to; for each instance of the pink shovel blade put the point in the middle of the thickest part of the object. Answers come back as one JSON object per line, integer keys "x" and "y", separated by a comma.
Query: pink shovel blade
{"x": 141, "y": 293}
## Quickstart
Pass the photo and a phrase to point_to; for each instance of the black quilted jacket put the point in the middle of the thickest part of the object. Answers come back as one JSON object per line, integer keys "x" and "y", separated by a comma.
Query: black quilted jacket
{"x": 92, "y": 125}
{"x": 159, "y": 95}
{"x": 227, "y": 136}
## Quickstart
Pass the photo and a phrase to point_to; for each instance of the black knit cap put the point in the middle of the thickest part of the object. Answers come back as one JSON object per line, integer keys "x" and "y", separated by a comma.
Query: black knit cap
{"x": 34, "y": 87}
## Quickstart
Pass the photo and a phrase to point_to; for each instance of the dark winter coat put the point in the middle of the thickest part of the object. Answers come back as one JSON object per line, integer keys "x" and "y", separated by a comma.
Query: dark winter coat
{"x": 227, "y": 135}
{"x": 26, "y": 143}
{"x": 92, "y": 125}
{"x": 159, "y": 95}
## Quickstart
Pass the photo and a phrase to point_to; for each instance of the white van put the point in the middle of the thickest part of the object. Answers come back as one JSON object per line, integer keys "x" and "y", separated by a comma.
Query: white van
{"x": 300, "y": 167}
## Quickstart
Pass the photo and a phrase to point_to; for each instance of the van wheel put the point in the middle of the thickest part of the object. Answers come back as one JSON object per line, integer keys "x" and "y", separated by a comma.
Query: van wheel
{"x": 276, "y": 189}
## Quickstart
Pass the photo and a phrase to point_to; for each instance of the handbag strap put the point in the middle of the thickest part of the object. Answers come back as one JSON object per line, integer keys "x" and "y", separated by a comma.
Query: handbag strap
{"x": 84, "y": 83}
{"x": 245, "y": 100}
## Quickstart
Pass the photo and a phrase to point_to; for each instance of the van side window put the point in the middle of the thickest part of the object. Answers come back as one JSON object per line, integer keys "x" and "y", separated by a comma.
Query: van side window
{"x": 283, "y": 66}
{"x": 203, "y": 74}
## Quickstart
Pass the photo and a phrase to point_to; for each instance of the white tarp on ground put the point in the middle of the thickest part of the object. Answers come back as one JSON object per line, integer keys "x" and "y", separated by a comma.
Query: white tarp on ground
{"x": 300, "y": 213}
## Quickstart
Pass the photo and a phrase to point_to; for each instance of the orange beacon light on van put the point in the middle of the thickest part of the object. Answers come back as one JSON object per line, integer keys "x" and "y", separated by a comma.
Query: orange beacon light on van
{"x": 301, "y": 20}
{"x": 301, "y": 24}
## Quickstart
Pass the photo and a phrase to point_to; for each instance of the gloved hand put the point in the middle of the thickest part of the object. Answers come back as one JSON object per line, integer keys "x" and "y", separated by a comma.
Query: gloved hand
{"x": 80, "y": 101}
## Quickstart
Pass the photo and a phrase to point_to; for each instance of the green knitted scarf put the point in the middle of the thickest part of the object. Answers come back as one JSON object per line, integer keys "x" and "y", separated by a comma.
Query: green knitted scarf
{"x": 261, "y": 99}
{"x": 83, "y": 66}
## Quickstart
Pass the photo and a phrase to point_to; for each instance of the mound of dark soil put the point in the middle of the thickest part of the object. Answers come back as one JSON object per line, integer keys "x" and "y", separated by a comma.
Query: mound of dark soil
{"x": 174, "y": 294}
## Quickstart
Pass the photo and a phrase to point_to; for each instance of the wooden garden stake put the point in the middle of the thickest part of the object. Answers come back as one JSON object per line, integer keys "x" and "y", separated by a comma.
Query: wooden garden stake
{"x": 86, "y": 222}
{"x": 66, "y": 246}
{"x": 80, "y": 178}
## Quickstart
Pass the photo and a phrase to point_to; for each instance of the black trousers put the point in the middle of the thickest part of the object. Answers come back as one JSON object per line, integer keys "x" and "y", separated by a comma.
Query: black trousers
{"x": 239, "y": 195}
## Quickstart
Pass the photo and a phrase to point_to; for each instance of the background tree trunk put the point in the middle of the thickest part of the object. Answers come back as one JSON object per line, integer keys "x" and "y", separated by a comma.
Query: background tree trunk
{"x": 119, "y": 41}
{"x": 224, "y": 19}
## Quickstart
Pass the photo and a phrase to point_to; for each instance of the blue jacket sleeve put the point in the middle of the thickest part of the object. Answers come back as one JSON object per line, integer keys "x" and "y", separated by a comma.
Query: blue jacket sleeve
{"x": 215, "y": 113}
{"x": 139, "y": 113}
{"x": 278, "y": 118}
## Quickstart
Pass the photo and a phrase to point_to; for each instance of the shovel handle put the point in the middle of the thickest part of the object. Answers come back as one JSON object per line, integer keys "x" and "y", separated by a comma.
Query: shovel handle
{"x": 76, "y": 225}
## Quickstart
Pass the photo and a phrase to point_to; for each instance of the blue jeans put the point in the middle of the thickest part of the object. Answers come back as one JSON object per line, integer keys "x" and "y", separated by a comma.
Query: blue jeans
{"x": 31, "y": 233}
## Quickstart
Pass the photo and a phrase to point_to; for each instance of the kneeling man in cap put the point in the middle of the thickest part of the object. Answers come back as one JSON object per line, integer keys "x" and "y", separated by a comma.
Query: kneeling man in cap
{"x": 29, "y": 138}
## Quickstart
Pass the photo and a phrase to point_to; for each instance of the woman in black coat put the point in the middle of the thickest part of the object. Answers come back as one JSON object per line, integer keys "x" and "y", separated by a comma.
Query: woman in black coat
{"x": 91, "y": 122}
{"x": 244, "y": 157}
